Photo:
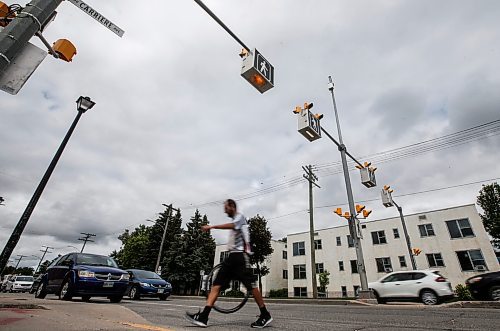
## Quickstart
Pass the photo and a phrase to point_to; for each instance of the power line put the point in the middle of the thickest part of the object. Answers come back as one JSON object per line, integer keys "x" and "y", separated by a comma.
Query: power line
{"x": 85, "y": 239}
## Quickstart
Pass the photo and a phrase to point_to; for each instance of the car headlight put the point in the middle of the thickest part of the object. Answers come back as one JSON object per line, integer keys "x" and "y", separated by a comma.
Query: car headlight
{"x": 145, "y": 284}
{"x": 168, "y": 286}
{"x": 86, "y": 274}
{"x": 125, "y": 277}
{"x": 475, "y": 280}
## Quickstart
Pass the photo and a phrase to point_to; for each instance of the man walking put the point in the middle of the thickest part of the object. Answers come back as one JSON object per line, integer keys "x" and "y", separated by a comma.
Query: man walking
{"x": 235, "y": 267}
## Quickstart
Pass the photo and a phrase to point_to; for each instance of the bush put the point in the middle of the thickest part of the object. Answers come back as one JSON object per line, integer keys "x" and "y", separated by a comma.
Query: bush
{"x": 463, "y": 292}
{"x": 234, "y": 294}
{"x": 281, "y": 293}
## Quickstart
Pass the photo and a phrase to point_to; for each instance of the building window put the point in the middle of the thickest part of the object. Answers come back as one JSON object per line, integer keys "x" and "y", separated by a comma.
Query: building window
{"x": 354, "y": 266}
{"x": 356, "y": 290}
{"x": 285, "y": 274}
{"x": 396, "y": 233}
{"x": 223, "y": 256}
{"x": 318, "y": 244}
{"x": 402, "y": 261}
{"x": 344, "y": 291}
{"x": 320, "y": 268}
{"x": 384, "y": 264}
{"x": 299, "y": 248}
{"x": 426, "y": 230}
{"x": 339, "y": 241}
{"x": 422, "y": 217}
{"x": 285, "y": 255}
{"x": 341, "y": 265}
{"x": 435, "y": 260}
{"x": 299, "y": 271}
{"x": 300, "y": 292}
{"x": 460, "y": 228}
{"x": 471, "y": 260}
{"x": 378, "y": 237}
{"x": 350, "y": 242}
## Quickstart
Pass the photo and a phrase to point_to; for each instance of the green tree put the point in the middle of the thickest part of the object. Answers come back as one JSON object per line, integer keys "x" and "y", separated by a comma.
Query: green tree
{"x": 260, "y": 237}
{"x": 324, "y": 280}
{"x": 489, "y": 201}
{"x": 135, "y": 252}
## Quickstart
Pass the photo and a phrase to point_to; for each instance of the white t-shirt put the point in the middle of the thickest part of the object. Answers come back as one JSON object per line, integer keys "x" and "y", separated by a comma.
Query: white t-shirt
{"x": 239, "y": 235}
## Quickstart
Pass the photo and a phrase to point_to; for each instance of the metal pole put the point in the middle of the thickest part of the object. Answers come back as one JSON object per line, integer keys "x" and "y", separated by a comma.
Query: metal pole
{"x": 17, "y": 33}
{"x": 169, "y": 213}
{"x": 364, "y": 293}
{"x": 14, "y": 238}
{"x": 407, "y": 236}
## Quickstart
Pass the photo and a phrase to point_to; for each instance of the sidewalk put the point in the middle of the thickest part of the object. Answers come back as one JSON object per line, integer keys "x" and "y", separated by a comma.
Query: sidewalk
{"x": 52, "y": 314}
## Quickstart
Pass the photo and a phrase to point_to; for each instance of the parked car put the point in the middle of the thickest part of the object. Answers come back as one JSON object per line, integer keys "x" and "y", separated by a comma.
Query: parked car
{"x": 84, "y": 275}
{"x": 485, "y": 286}
{"x": 427, "y": 286}
{"x": 147, "y": 283}
{"x": 19, "y": 284}
{"x": 3, "y": 284}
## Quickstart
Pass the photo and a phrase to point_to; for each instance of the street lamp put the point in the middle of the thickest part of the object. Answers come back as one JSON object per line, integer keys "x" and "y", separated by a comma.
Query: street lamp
{"x": 83, "y": 104}
{"x": 387, "y": 201}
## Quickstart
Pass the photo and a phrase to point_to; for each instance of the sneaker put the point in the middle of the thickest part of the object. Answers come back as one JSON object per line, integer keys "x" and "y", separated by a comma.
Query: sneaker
{"x": 262, "y": 322}
{"x": 197, "y": 319}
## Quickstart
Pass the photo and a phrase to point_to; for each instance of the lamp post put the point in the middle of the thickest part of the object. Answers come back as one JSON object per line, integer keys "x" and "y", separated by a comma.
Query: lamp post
{"x": 83, "y": 104}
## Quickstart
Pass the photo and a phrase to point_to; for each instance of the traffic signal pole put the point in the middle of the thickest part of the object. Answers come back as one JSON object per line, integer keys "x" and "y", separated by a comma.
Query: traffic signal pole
{"x": 311, "y": 178}
{"x": 15, "y": 36}
{"x": 364, "y": 293}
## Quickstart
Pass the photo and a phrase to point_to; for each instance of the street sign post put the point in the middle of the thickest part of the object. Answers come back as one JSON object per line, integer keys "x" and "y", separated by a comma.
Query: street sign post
{"x": 258, "y": 71}
{"x": 98, "y": 17}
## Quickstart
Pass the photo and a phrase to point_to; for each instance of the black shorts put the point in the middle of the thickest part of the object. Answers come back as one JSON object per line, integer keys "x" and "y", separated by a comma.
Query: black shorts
{"x": 235, "y": 267}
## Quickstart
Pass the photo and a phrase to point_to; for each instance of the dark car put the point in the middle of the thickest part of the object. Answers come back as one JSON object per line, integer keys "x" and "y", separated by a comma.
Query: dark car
{"x": 147, "y": 283}
{"x": 84, "y": 275}
{"x": 485, "y": 286}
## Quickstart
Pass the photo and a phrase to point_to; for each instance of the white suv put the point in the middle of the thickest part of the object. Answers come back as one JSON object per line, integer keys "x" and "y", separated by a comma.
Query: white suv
{"x": 427, "y": 286}
{"x": 19, "y": 284}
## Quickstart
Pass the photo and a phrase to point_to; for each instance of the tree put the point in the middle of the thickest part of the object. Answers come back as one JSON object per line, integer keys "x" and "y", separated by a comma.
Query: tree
{"x": 489, "y": 201}
{"x": 260, "y": 237}
{"x": 324, "y": 280}
{"x": 134, "y": 252}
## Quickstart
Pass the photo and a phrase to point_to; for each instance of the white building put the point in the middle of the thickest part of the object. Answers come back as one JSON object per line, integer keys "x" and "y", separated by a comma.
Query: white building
{"x": 452, "y": 240}
{"x": 276, "y": 262}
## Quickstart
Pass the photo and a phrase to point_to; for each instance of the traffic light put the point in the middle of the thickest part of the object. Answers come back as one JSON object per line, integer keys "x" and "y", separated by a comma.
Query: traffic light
{"x": 65, "y": 49}
{"x": 386, "y": 196}
{"x": 346, "y": 215}
{"x": 257, "y": 70}
{"x": 417, "y": 251}
{"x": 366, "y": 213}
{"x": 338, "y": 211}
{"x": 308, "y": 124}
{"x": 359, "y": 208}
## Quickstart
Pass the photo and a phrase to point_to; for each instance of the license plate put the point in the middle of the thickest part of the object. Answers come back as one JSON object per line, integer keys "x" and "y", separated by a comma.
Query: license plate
{"x": 160, "y": 290}
{"x": 107, "y": 284}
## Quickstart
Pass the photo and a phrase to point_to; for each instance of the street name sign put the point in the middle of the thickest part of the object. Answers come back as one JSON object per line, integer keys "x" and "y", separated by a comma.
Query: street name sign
{"x": 98, "y": 17}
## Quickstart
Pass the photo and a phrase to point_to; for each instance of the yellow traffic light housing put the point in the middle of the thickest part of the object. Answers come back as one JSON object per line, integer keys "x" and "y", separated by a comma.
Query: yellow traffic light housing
{"x": 65, "y": 49}
{"x": 359, "y": 208}
{"x": 366, "y": 213}
{"x": 338, "y": 211}
{"x": 347, "y": 215}
{"x": 417, "y": 251}
{"x": 5, "y": 14}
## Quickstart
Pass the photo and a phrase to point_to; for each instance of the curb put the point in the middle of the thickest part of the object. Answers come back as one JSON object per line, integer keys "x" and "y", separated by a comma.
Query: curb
{"x": 473, "y": 304}
{"x": 331, "y": 302}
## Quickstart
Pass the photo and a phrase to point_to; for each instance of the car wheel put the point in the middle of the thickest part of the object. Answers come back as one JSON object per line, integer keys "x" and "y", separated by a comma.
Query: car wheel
{"x": 134, "y": 293}
{"x": 495, "y": 293}
{"x": 41, "y": 291}
{"x": 379, "y": 299}
{"x": 116, "y": 298}
{"x": 66, "y": 292}
{"x": 429, "y": 298}
{"x": 163, "y": 297}
{"x": 85, "y": 298}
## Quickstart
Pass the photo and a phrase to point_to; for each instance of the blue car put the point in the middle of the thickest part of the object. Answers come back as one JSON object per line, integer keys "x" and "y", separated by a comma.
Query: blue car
{"x": 84, "y": 275}
{"x": 148, "y": 284}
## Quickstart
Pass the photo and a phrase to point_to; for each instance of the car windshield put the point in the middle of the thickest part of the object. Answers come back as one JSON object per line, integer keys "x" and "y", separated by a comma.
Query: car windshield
{"x": 24, "y": 278}
{"x": 96, "y": 260}
{"x": 146, "y": 274}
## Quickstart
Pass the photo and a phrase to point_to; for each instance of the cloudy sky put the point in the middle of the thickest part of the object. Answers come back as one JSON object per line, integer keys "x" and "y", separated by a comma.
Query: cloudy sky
{"x": 174, "y": 122}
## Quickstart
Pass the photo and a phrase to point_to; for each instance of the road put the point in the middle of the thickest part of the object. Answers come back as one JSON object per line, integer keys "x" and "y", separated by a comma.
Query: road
{"x": 170, "y": 314}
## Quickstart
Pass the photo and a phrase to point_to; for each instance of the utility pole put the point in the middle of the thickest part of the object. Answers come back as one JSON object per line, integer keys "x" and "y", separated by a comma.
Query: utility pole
{"x": 87, "y": 236}
{"x": 18, "y": 261}
{"x": 44, "y": 252}
{"x": 23, "y": 27}
{"x": 169, "y": 214}
{"x": 311, "y": 178}
{"x": 364, "y": 293}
